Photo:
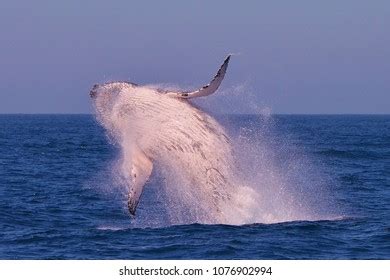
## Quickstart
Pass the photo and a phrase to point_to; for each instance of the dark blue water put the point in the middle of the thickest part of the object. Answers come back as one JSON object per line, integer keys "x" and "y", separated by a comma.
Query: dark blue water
{"x": 53, "y": 206}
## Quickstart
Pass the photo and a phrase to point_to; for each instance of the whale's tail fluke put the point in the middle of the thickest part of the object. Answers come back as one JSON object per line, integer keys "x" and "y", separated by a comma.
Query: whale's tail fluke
{"x": 209, "y": 88}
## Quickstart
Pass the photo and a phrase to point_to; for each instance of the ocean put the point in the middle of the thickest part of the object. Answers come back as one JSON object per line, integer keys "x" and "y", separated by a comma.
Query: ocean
{"x": 324, "y": 188}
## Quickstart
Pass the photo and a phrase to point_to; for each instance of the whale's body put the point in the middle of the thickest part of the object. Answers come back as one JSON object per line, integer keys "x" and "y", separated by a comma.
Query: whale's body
{"x": 153, "y": 125}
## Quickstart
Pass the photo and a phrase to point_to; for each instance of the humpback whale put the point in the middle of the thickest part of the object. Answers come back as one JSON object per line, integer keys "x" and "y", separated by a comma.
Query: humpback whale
{"x": 154, "y": 125}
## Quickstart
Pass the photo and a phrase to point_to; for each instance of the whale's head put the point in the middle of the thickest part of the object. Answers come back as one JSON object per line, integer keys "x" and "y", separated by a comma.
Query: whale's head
{"x": 109, "y": 90}
{"x": 104, "y": 95}
{"x": 105, "y": 98}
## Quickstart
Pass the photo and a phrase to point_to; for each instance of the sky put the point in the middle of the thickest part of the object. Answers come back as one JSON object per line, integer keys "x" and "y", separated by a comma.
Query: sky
{"x": 295, "y": 57}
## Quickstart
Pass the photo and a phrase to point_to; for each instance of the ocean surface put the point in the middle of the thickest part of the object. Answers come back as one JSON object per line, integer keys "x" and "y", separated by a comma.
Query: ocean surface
{"x": 59, "y": 199}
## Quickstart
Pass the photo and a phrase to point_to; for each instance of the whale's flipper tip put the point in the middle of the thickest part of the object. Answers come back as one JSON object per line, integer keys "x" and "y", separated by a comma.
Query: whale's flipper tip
{"x": 132, "y": 207}
{"x": 209, "y": 88}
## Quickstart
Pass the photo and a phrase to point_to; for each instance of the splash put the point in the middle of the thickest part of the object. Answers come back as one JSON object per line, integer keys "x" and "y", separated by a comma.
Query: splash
{"x": 286, "y": 184}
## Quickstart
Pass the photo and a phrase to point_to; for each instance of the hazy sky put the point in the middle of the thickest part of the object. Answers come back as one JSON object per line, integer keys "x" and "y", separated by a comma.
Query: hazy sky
{"x": 296, "y": 56}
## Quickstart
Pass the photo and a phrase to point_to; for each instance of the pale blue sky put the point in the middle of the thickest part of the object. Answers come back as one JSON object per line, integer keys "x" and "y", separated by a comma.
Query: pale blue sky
{"x": 296, "y": 56}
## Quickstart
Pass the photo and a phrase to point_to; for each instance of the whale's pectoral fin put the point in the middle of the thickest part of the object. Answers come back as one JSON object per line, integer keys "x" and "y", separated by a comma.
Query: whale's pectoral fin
{"x": 207, "y": 89}
{"x": 141, "y": 169}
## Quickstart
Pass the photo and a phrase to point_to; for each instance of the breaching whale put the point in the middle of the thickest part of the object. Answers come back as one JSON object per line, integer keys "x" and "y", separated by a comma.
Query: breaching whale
{"x": 154, "y": 125}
